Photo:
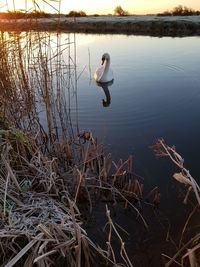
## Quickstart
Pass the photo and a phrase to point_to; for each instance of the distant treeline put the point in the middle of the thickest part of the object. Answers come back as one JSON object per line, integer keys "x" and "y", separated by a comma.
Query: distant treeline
{"x": 118, "y": 11}
{"x": 74, "y": 13}
{"x": 23, "y": 15}
{"x": 180, "y": 11}
{"x": 38, "y": 14}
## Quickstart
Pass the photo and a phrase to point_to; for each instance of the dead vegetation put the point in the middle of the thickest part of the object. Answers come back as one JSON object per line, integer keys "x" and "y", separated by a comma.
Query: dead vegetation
{"x": 39, "y": 221}
{"x": 188, "y": 251}
{"x": 50, "y": 169}
{"x": 40, "y": 218}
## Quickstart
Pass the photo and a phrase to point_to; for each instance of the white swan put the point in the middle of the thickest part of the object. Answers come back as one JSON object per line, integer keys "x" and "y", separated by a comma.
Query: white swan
{"x": 104, "y": 74}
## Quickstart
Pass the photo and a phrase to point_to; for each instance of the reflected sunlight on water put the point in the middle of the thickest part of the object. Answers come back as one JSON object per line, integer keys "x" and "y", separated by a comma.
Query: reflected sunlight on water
{"x": 156, "y": 93}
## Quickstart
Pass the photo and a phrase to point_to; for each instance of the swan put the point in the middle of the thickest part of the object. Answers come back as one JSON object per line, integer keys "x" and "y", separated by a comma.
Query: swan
{"x": 104, "y": 74}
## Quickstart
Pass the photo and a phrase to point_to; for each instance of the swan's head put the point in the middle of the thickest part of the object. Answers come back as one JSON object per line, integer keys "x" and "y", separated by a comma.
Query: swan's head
{"x": 106, "y": 57}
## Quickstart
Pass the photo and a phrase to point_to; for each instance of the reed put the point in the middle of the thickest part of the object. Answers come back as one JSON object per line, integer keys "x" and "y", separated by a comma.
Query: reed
{"x": 39, "y": 223}
{"x": 41, "y": 200}
{"x": 188, "y": 249}
{"x": 48, "y": 167}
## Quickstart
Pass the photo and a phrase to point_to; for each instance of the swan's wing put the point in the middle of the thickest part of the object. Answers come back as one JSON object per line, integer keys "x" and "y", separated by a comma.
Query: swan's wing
{"x": 110, "y": 76}
{"x": 98, "y": 73}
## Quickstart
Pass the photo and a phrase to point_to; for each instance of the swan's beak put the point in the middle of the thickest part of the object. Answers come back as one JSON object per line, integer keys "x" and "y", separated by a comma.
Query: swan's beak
{"x": 103, "y": 59}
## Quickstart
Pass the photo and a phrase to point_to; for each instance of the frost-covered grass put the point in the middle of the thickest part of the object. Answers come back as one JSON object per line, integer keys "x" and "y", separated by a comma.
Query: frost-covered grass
{"x": 146, "y": 25}
{"x": 139, "y": 18}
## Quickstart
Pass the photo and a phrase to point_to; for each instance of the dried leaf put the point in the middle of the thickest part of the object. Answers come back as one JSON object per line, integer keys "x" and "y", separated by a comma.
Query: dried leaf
{"x": 23, "y": 251}
{"x": 181, "y": 178}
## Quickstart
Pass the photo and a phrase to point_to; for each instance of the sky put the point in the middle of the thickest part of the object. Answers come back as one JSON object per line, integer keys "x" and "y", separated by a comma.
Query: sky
{"x": 100, "y": 6}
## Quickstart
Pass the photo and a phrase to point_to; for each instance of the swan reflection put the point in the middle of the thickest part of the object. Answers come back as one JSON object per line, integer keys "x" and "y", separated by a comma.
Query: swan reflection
{"x": 105, "y": 86}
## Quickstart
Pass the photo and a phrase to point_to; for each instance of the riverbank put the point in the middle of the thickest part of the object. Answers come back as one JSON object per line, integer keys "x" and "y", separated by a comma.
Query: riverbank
{"x": 138, "y": 25}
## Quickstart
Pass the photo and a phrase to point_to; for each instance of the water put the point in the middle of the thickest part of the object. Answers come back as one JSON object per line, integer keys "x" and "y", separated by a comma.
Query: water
{"x": 156, "y": 93}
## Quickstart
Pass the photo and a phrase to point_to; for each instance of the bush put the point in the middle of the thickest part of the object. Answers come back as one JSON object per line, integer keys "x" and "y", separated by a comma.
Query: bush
{"x": 120, "y": 12}
{"x": 74, "y": 13}
{"x": 180, "y": 11}
{"x": 23, "y": 15}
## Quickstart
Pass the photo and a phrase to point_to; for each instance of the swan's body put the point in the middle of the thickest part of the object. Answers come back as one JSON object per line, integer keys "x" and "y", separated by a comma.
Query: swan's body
{"x": 104, "y": 74}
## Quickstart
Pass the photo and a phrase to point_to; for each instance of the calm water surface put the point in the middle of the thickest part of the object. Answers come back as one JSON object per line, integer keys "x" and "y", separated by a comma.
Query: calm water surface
{"x": 156, "y": 93}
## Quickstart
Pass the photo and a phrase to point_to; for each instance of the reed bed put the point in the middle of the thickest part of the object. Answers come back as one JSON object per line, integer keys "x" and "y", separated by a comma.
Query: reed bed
{"x": 49, "y": 169}
{"x": 39, "y": 221}
{"x": 38, "y": 217}
{"x": 39, "y": 200}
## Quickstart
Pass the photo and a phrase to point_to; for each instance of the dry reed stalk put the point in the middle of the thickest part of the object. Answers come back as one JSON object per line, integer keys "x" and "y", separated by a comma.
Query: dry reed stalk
{"x": 186, "y": 223}
{"x": 161, "y": 150}
{"x": 10, "y": 172}
{"x": 169, "y": 258}
{"x": 192, "y": 257}
{"x": 5, "y": 194}
{"x": 22, "y": 252}
{"x": 173, "y": 259}
{"x": 123, "y": 252}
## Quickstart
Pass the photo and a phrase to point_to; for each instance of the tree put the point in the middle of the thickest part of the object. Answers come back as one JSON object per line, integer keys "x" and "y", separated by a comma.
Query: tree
{"x": 182, "y": 11}
{"x": 188, "y": 11}
{"x": 74, "y": 13}
{"x": 120, "y": 12}
{"x": 178, "y": 10}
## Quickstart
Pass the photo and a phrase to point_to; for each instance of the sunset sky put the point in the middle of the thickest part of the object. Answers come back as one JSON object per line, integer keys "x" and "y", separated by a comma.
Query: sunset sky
{"x": 103, "y": 6}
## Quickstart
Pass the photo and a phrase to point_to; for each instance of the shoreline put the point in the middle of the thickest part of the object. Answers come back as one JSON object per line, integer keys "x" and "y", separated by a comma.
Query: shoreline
{"x": 137, "y": 25}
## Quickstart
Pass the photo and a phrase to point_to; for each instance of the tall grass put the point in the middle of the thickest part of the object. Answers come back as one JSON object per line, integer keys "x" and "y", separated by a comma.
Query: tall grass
{"x": 35, "y": 76}
{"x": 47, "y": 166}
